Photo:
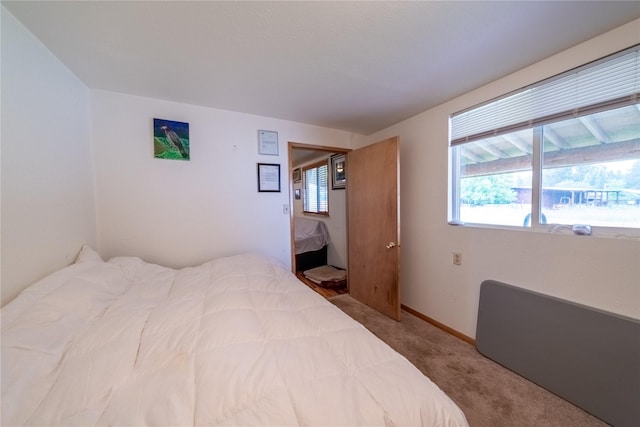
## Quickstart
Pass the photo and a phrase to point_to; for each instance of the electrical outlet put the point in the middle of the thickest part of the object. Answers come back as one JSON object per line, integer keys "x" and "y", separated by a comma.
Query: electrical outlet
{"x": 457, "y": 258}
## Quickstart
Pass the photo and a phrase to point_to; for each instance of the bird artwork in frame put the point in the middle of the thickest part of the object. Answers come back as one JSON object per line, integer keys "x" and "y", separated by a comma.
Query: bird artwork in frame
{"x": 170, "y": 140}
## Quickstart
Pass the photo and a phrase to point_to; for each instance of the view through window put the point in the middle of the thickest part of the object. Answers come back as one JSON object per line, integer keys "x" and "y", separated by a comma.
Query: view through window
{"x": 591, "y": 169}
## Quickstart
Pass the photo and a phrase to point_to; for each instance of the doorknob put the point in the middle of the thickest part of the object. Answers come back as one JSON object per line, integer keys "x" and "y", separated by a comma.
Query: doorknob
{"x": 390, "y": 245}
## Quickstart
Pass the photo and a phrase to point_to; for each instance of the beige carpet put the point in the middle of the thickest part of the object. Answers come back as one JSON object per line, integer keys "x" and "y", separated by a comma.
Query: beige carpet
{"x": 489, "y": 394}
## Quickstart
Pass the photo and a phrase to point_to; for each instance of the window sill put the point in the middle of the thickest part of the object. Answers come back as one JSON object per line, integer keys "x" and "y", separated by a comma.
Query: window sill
{"x": 566, "y": 229}
{"x": 315, "y": 213}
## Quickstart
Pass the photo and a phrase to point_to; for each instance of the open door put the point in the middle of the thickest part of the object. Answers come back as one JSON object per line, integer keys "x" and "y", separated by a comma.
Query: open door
{"x": 373, "y": 219}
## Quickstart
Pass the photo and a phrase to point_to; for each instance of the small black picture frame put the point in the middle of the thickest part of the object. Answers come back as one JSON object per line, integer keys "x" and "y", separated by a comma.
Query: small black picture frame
{"x": 268, "y": 177}
{"x": 338, "y": 171}
{"x": 296, "y": 194}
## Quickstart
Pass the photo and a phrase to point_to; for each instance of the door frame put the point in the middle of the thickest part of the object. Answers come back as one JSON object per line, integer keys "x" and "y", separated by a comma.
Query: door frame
{"x": 290, "y": 147}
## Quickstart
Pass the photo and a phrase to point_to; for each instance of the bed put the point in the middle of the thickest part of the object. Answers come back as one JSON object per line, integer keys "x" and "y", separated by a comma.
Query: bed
{"x": 311, "y": 240}
{"x": 234, "y": 341}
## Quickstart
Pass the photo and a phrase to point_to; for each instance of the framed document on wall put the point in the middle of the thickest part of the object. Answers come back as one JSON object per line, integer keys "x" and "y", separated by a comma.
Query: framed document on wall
{"x": 268, "y": 142}
{"x": 268, "y": 177}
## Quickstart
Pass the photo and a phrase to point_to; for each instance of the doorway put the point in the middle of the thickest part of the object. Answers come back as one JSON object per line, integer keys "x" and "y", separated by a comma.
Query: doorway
{"x": 303, "y": 256}
{"x": 372, "y": 226}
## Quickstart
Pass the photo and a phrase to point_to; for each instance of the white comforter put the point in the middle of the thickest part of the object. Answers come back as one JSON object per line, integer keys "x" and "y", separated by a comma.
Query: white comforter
{"x": 235, "y": 341}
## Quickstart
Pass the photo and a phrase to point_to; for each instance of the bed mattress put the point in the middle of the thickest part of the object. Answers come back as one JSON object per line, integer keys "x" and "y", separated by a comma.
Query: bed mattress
{"x": 235, "y": 341}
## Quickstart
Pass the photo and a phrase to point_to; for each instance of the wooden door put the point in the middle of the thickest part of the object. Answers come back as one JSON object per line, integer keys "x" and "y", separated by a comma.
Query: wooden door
{"x": 373, "y": 222}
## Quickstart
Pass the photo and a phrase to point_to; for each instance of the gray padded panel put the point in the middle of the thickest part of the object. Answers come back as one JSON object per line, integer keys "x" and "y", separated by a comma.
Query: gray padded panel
{"x": 586, "y": 356}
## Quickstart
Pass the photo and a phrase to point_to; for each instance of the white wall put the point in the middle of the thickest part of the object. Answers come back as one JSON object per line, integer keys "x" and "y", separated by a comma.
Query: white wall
{"x": 47, "y": 184}
{"x": 180, "y": 213}
{"x": 336, "y": 222}
{"x": 599, "y": 272}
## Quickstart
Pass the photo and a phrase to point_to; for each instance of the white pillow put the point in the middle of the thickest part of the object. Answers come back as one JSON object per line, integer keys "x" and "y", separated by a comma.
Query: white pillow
{"x": 87, "y": 255}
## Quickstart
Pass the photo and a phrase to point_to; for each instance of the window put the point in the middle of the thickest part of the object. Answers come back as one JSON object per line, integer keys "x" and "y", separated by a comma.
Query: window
{"x": 316, "y": 191}
{"x": 562, "y": 151}
{"x": 490, "y": 171}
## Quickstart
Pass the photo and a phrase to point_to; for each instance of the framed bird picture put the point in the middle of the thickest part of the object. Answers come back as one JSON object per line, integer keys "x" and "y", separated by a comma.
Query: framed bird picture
{"x": 170, "y": 140}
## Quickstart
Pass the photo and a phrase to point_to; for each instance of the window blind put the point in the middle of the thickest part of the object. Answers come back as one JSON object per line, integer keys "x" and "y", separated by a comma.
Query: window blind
{"x": 316, "y": 197}
{"x": 610, "y": 82}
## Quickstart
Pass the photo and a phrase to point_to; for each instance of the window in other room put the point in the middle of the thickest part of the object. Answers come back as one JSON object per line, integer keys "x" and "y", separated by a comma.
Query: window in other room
{"x": 316, "y": 190}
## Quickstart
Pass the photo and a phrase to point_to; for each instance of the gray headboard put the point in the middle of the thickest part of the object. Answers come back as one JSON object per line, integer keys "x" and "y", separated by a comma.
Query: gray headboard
{"x": 586, "y": 356}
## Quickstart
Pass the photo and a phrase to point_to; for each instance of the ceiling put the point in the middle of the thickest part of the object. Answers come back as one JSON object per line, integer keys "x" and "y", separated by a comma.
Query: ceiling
{"x": 301, "y": 156}
{"x": 356, "y": 66}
